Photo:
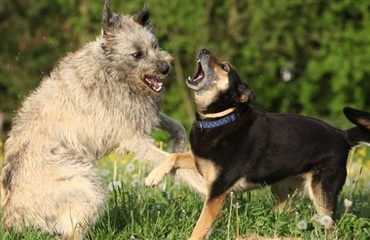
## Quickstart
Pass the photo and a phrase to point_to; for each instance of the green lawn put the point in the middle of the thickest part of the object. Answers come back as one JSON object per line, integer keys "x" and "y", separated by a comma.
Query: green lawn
{"x": 171, "y": 210}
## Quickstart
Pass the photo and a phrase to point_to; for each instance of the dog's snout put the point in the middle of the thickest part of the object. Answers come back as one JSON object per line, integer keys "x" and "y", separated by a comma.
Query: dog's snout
{"x": 205, "y": 51}
{"x": 165, "y": 69}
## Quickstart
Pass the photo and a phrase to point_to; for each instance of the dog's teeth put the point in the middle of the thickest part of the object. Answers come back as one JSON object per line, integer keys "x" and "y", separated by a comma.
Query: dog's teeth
{"x": 198, "y": 60}
{"x": 160, "y": 83}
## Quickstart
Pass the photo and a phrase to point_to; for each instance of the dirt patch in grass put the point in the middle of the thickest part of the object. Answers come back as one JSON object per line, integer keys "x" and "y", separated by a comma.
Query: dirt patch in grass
{"x": 255, "y": 237}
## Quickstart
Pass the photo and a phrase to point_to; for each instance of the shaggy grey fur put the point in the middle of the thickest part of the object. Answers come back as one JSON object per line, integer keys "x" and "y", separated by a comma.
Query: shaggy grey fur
{"x": 104, "y": 97}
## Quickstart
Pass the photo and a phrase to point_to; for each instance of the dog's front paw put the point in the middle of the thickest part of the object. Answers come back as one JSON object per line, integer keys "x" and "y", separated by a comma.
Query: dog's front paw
{"x": 155, "y": 177}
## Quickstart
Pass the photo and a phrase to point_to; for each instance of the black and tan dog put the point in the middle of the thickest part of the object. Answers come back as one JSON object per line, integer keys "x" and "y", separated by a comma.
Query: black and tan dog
{"x": 239, "y": 147}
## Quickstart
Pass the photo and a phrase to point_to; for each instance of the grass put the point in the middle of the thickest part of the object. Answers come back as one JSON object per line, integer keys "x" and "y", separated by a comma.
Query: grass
{"x": 171, "y": 210}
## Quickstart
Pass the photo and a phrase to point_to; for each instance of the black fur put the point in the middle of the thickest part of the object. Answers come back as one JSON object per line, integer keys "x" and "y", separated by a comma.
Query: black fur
{"x": 264, "y": 148}
{"x": 243, "y": 147}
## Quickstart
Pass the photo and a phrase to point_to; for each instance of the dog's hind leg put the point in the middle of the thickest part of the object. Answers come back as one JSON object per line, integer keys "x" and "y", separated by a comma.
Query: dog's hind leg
{"x": 324, "y": 186}
{"x": 61, "y": 200}
{"x": 84, "y": 198}
{"x": 211, "y": 210}
{"x": 78, "y": 199}
{"x": 286, "y": 189}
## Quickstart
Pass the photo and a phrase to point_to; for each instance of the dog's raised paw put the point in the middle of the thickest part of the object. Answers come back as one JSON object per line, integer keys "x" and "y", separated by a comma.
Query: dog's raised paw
{"x": 155, "y": 177}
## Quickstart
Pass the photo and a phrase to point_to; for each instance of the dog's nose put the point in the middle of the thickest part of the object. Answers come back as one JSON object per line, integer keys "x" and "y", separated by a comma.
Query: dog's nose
{"x": 164, "y": 69}
{"x": 205, "y": 51}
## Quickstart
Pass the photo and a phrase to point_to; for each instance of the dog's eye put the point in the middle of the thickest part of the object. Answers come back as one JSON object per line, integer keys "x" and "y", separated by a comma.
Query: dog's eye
{"x": 225, "y": 67}
{"x": 137, "y": 54}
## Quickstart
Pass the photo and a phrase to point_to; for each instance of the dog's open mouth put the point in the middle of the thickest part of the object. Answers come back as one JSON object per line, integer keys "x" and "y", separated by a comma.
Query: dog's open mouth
{"x": 198, "y": 77}
{"x": 153, "y": 82}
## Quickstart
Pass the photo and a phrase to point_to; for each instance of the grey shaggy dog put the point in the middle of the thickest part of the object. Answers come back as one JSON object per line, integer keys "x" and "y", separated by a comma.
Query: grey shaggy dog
{"x": 104, "y": 97}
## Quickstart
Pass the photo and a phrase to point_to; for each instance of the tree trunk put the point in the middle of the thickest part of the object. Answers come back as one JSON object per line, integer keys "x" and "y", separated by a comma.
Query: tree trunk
{"x": 2, "y": 138}
{"x": 179, "y": 76}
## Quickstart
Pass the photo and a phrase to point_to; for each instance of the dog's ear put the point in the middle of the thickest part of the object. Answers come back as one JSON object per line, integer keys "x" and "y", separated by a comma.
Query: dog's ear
{"x": 242, "y": 93}
{"x": 108, "y": 20}
{"x": 142, "y": 17}
{"x": 245, "y": 94}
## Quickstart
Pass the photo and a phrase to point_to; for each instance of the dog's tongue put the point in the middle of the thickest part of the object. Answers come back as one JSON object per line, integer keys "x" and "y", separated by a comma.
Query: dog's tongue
{"x": 200, "y": 76}
{"x": 154, "y": 83}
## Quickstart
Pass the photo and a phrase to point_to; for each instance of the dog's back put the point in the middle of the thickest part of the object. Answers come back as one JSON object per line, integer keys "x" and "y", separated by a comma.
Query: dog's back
{"x": 268, "y": 147}
{"x": 290, "y": 144}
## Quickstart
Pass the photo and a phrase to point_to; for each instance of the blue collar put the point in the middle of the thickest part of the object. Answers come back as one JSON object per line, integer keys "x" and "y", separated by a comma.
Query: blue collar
{"x": 219, "y": 122}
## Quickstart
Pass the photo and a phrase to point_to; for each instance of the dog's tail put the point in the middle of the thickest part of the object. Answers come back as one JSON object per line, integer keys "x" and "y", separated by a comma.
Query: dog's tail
{"x": 361, "y": 133}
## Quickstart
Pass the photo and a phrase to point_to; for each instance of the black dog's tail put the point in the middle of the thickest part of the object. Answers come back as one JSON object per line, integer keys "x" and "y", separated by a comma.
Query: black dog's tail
{"x": 361, "y": 133}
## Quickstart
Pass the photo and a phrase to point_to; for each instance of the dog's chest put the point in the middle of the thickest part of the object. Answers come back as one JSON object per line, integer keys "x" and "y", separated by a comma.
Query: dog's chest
{"x": 108, "y": 122}
{"x": 133, "y": 111}
{"x": 214, "y": 145}
{"x": 208, "y": 169}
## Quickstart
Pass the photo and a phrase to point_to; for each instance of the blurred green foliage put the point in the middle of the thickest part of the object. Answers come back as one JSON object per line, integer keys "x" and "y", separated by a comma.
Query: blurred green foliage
{"x": 310, "y": 57}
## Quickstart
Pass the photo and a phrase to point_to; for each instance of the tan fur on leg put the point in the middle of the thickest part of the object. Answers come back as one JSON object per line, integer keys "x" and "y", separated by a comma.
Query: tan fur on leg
{"x": 285, "y": 189}
{"x": 211, "y": 210}
{"x": 317, "y": 196}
